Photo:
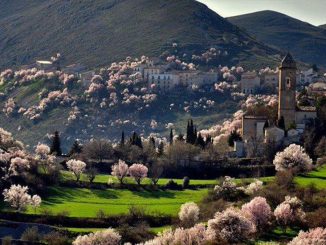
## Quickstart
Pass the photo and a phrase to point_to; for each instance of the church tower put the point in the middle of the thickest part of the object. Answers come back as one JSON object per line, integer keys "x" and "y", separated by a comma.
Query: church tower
{"x": 287, "y": 91}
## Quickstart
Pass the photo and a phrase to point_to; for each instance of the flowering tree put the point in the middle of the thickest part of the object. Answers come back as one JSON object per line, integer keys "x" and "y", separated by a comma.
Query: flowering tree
{"x": 253, "y": 187}
{"x": 17, "y": 197}
{"x": 227, "y": 188}
{"x": 138, "y": 172}
{"x": 315, "y": 236}
{"x": 44, "y": 158}
{"x": 258, "y": 211}
{"x": 106, "y": 237}
{"x": 120, "y": 170}
{"x": 195, "y": 236}
{"x": 231, "y": 226}
{"x": 77, "y": 167}
{"x": 293, "y": 158}
{"x": 189, "y": 214}
{"x": 289, "y": 211}
{"x": 36, "y": 201}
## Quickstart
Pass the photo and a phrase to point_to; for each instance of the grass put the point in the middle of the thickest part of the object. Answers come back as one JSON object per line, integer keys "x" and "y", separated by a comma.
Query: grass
{"x": 103, "y": 179}
{"x": 80, "y": 202}
{"x": 316, "y": 177}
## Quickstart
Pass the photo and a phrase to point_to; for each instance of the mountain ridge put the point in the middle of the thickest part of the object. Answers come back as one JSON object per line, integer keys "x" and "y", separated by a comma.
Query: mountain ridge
{"x": 286, "y": 33}
{"x": 99, "y": 32}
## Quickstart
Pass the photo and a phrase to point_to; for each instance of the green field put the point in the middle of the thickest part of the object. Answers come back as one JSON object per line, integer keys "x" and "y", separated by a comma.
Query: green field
{"x": 316, "y": 177}
{"x": 86, "y": 202}
{"x": 103, "y": 179}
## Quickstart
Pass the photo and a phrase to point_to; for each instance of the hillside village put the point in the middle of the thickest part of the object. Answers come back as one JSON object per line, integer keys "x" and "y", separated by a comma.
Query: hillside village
{"x": 162, "y": 122}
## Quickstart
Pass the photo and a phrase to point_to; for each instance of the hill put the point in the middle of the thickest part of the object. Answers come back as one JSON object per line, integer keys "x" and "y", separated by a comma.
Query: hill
{"x": 305, "y": 41}
{"x": 98, "y": 32}
{"x": 322, "y": 26}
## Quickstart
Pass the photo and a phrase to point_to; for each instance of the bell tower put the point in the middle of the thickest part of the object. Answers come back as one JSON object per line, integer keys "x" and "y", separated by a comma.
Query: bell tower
{"x": 287, "y": 90}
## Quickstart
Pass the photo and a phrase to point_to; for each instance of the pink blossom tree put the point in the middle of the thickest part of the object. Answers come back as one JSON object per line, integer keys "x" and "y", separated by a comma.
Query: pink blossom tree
{"x": 35, "y": 201}
{"x": 289, "y": 212}
{"x": 315, "y": 236}
{"x": 138, "y": 172}
{"x": 120, "y": 170}
{"x": 231, "y": 226}
{"x": 105, "y": 237}
{"x": 189, "y": 214}
{"x": 258, "y": 211}
{"x": 45, "y": 160}
{"x": 77, "y": 167}
{"x": 293, "y": 158}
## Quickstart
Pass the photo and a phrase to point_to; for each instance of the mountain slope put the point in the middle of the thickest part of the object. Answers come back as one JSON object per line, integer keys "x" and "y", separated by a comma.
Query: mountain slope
{"x": 322, "y": 26}
{"x": 305, "y": 41}
{"x": 97, "y": 32}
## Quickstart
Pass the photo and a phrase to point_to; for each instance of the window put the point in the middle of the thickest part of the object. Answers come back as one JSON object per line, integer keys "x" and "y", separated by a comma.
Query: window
{"x": 288, "y": 82}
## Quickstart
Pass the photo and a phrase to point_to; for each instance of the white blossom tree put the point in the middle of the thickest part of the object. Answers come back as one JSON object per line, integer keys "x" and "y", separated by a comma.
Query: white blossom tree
{"x": 45, "y": 160}
{"x": 293, "y": 158}
{"x": 189, "y": 214}
{"x": 17, "y": 197}
{"x": 106, "y": 237}
{"x": 36, "y": 201}
{"x": 138, "y": 172}
{"x": 120, "y": 170}
{"x": 77, "y": 167}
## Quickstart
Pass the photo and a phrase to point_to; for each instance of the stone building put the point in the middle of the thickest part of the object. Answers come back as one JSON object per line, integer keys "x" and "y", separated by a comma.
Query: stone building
{"x": 288, "y": 110}
{"x": 249, "y": 82}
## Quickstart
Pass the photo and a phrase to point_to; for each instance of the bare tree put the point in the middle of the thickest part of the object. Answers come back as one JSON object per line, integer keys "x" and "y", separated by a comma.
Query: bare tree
{"x": 98, "y": 150}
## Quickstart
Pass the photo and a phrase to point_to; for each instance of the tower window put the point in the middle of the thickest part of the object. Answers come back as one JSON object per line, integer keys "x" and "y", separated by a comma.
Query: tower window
{"x": 288, "y": 82}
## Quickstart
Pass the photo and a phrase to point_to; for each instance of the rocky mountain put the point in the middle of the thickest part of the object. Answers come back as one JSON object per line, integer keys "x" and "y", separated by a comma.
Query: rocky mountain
{"x": 305, "y": 41}
{"x": 97, "y": 32}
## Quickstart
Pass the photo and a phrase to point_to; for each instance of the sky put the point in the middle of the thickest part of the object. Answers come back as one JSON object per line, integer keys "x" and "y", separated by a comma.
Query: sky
{"x": 312, "y": 11}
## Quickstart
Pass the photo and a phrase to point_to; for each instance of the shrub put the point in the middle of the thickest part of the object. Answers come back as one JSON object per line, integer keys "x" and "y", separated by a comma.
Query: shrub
{"x": 186, "y": 182}
{"x": 31, "y": 235}
{"x": 100, "y": 214}
{"x": 56, "y": 238}
{"x": 172, "y": 185}
{"x": 7, "y": 240}
{"x": 189, "y": 214}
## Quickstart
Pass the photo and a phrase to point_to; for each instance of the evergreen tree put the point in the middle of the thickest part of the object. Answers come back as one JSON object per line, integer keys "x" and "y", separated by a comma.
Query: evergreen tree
{"x": 160, "y": 149}
{"x": 152, "y": 142}
{"x": 266, "y": 125}
{"x": 188, "y": 135}
{"x": 76, "y": 148}
{"x": 208, "y": 140}
{"x": 281, "y": 123}
{"x": 200, "y": 141}
{"x": 234, "y": 136}
{"x": 56, "y": 144}
{"x": 136, "y": 140}
{"x": 122, "y": 142}
{"x": 171, "y": 136}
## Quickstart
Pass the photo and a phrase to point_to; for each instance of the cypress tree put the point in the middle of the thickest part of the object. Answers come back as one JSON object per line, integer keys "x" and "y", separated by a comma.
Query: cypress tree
{"x": 56, "y": 144}
{"x": 200, "y": 141}
{"x": 281, "y": 123}
{"x": 122, "y": 142}
{"x": 171, "y": 136}
{"x": 152, "y": 142}
{"x": 161, "y": 148}
{"x": 76, "y": 148}
{"x": 234, "y": 136}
